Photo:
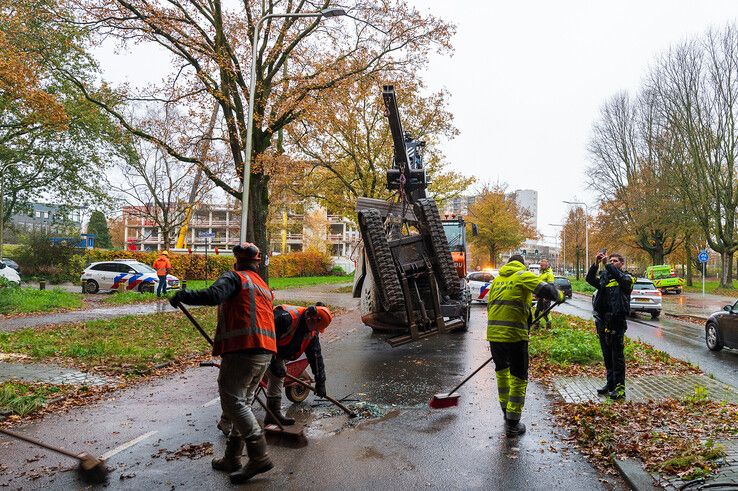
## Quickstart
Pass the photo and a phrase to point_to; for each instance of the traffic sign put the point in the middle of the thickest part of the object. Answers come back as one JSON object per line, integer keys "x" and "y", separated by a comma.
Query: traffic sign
{"x": 206, "y": 235}
{"x": 703, "y": 256}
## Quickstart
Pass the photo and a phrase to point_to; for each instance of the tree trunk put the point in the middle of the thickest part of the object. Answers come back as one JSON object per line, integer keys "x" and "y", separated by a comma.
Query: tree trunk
{"x": 729, "y": 278}
{"x": 258, "y": 213}
{"x": 577, "y": 260}
{"x": 724, "y": 270}
{"x": 688, "y": 251}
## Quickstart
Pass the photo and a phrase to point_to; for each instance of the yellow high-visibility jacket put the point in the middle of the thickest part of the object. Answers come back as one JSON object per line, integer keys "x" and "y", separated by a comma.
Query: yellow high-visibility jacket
{"x": 509, "y": 302}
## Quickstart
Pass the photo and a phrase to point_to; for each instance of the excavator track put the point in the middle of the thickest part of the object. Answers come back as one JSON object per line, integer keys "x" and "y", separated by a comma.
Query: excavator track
{"x": 380, "y": 260}
{"x": 427, "y": 213}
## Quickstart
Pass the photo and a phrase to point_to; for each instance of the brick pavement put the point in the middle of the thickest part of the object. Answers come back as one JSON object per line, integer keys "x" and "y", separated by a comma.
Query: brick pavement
{"x": 51, "y": 374}
{"x": 660, "y": 387}
{"x": 645, "y": 388}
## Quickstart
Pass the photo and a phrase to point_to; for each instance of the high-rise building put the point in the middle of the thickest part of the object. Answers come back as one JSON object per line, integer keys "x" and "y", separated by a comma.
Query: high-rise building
{"x": 528, "y": 199}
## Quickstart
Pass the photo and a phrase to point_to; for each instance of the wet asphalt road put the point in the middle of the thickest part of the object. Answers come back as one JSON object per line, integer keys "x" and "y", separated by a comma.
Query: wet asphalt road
{"x": 683, "y": 340}
{"x": 408, "y": 446}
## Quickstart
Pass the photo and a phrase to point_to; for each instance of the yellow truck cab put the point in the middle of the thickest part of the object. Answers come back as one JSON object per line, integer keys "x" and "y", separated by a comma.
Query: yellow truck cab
{"x": 664, "y": 278}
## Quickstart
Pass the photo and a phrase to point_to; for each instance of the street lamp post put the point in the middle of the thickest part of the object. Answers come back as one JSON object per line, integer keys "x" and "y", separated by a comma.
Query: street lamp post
{"x": 329, "y": 12}
{"x": 563, "y": 246}
{"x": 586, "y": 229}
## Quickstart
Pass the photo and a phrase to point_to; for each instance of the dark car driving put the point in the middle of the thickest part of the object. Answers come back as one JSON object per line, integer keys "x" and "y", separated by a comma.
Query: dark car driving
{"x": 721, "y": 329}
{"x": 563, "y": 284}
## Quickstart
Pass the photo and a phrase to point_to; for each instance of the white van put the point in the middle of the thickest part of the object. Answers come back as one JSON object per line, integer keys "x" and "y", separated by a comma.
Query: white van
{"x": 534, "y": 268}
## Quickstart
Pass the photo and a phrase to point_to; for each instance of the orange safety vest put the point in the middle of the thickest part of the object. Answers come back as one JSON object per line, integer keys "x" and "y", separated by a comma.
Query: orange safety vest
{"x": 246, "y": 321}
{"x": 161, "y": 265}
{"x": 285, "y": 338}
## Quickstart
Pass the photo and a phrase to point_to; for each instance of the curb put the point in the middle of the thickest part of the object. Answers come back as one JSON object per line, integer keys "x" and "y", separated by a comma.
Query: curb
{"x": 633, "y": 473}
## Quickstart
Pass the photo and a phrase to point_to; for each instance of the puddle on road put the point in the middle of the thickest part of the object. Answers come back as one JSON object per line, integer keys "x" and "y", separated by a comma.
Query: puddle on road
{"x": 324, "y": 421}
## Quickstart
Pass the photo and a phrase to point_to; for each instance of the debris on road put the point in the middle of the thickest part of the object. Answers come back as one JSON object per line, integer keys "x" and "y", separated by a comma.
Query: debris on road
{"x": 191, "y": 451}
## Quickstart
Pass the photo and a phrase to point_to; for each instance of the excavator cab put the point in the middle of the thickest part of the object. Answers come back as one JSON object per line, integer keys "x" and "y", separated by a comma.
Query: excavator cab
{"x": 411, "y": 265}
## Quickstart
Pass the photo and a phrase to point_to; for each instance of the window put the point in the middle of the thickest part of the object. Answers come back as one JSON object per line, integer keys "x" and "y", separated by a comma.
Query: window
{"x": 561, "y": 281}
{"x": 644, "y": 286}
{"x": 38, "y": 214}
{"x": 109, "y": 267}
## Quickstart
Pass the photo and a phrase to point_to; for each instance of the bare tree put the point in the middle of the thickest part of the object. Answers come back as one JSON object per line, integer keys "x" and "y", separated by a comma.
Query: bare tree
{"x": 631, "y": 178}
{"x": 697, "y": 88}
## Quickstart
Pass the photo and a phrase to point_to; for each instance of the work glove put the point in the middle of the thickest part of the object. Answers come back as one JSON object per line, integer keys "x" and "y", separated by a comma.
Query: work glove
{"x": 562, "y": 297}
{"x": 175, "y": 299}
{"x": 320, "y": 388}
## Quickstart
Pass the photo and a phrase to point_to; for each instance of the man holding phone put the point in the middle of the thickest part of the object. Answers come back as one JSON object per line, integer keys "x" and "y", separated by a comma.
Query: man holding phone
{"x": 611, "y": 306}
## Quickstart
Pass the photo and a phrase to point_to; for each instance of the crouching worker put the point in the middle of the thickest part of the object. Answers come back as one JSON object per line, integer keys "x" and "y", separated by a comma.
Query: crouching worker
{"x": 298, "y": 330}
{"x": 245, "y": 340}
{"x": 508, "y": 324}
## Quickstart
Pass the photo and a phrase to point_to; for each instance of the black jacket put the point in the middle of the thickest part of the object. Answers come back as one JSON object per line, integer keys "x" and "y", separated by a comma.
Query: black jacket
{"x": 282, "y": 322}
{"x": 613, "y": 290}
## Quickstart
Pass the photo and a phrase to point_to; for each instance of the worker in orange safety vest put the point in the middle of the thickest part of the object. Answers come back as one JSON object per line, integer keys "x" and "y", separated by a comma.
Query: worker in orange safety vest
{"x": 245, "y": 340}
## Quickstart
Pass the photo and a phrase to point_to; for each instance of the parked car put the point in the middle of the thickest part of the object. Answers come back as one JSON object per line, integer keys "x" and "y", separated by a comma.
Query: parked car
{"x": 108, "y": 275}
{"x": 645, "y": 297}
{"x": 10, "y": 263}
{"x": 721, "y": 328}
{"x": 9, "y": 273}
{"x": 563, "y": 284}
{"x": 479, "y": 282}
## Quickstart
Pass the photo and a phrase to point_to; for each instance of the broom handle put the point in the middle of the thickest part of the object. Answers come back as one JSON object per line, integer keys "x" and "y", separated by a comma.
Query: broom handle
{"x": 490, "y": 358}
{"x": 195, "y": 323}
{"x": 306, "y": 385}
{"x": 41, "y": 444}
{"x": 546, "y": 311}
{"x": 470, "y": 376}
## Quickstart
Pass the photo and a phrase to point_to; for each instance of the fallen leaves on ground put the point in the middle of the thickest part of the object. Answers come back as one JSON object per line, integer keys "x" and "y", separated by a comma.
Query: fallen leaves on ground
{"x": 671, "y": 436}
{"x": 191, "y": 451}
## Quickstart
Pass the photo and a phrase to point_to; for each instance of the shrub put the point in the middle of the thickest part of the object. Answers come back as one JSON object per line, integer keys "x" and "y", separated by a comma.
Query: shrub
{"x": 184, "y": 266}
{"x": 38, "y": 257}
{"x": 310, "y": 262}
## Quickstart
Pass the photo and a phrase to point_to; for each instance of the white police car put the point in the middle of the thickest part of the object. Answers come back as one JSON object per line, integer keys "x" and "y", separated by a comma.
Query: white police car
{"x": 479, "y": 282}
{"x": 109, "y": 275}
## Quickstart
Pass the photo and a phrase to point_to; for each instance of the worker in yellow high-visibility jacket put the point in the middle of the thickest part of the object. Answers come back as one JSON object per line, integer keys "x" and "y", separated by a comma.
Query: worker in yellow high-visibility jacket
{"x": 508, "y": 321}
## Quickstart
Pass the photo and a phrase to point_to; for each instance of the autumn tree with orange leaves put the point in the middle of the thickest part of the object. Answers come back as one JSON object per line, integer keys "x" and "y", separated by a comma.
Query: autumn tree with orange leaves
{"x": 501, "y": 224}
{"x": 52, "y": 142}
{"x": 209, "y": 44}
{"x": 347, "y": 145}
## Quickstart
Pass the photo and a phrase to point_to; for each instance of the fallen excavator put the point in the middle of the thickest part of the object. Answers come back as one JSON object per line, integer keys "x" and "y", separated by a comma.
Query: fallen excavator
{"x": 411, "y": 264}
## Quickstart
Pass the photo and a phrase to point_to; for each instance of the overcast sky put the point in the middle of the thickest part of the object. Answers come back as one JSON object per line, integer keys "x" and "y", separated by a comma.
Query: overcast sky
{"x": 527, "y": 80}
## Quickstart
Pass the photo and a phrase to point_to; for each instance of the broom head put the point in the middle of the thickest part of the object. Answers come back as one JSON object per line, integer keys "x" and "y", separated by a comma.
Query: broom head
{"x": 442, "y": 401}
{"x": 92, "y": 470}
{"x": 289, "y": 436}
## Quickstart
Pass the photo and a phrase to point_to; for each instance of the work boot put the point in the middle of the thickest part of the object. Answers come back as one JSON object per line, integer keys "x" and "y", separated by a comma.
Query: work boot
{"x": 275, "y": 405}
{"x": 259, "y": 461}
{"x": 231, "y": 461}
{"x": 514, "y": 428}
{"x": 604, "y": 390}
{"x": 617, "y": 393}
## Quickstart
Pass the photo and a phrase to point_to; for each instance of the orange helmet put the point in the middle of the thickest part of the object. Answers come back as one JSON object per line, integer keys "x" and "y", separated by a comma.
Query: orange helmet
{"x": 320, "y": 319}
{"x": 247, "y": 252}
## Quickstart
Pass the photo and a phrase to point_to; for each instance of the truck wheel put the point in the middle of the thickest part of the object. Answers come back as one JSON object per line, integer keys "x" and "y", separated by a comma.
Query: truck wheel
{"x": 380, "y": 260}
{"x": 296, "y": 393}
{"x": 427, "y": 213}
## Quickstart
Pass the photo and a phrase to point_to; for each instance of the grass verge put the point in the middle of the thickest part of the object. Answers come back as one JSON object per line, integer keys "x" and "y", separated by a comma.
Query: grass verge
{"x": 22, "y": 398}
{"x": 712, "y": 287}
{"x": 581, "y": 286}
{"x": 15, "y": 300}
{"x": 128, "y": 346}
{"x": 671, "y": 436}
{"x": 127, "y": 298}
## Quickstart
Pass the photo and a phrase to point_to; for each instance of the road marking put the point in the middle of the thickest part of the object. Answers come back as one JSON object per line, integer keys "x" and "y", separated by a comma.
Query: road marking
{"x": 126, "y": 445}
{"x": 211, "y": 403}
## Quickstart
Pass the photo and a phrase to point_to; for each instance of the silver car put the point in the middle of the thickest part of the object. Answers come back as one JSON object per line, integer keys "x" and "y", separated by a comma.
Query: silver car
{"x": 645, "y": 297}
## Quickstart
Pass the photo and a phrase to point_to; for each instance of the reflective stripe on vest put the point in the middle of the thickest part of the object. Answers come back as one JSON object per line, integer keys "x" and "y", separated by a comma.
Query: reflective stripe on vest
{"x": 295, "y": 313}
{"x": 246, "y": 321}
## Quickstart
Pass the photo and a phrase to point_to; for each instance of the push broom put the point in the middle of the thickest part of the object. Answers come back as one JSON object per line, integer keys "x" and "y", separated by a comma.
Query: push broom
{"x": 291, "y": 436}
{"x": 91, "y": 470}
{"x": 444, "y": 400}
